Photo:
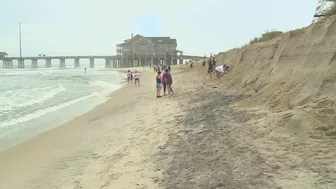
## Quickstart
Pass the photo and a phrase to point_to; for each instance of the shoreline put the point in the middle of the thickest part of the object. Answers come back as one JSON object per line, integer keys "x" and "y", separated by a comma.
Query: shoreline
{"x": 34, "y": 128}
{"x": 27, "y": 163}
{"x": 122, "y": 83}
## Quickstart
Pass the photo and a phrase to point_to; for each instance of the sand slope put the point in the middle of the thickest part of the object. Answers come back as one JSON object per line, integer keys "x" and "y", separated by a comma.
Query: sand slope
{"x": 291, "y": 82}
{"x": 296, "y": 69}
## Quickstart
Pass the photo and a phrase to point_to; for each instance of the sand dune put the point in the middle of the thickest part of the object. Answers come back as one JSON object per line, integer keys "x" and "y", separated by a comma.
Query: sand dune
{"x": 290, "y": 84}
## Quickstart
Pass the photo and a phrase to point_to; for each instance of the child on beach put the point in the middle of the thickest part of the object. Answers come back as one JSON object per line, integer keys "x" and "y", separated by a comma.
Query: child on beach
{"x": 137, "y": 78}
{"x": 129, "y": 75}
{"x": 132, "y": 76}
{"x": 158, "y": 84}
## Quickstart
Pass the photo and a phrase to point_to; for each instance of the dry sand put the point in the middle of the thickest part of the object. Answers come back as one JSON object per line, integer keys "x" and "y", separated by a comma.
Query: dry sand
{"x": 269, "y": 123}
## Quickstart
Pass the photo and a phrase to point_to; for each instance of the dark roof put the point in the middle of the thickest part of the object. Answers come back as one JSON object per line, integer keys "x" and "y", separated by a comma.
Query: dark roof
{"x": 162, "y": 40}
{"x": 173, "y": 41}
{"x": 155, "y": 40}
{"x": 133, "y": 40}
{"x": 3, "y": 53}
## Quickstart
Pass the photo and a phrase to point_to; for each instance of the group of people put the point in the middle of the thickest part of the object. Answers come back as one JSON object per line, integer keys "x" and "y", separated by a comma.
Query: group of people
{"x": 135, "y": 76}
{"x": 165, "y": 79}
{"x": 161, "y": 67}
{"x": 219, "y": 70}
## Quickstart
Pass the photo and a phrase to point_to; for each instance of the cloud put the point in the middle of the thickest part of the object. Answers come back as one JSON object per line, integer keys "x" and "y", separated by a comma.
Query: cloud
{"x": 200, "y": 27}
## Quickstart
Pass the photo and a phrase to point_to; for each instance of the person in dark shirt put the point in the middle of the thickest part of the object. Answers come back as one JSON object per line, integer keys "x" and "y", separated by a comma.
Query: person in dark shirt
{"x": 169, "y": 82}
{"x": 210, "y": 67}
{"x": 214, "y": 62}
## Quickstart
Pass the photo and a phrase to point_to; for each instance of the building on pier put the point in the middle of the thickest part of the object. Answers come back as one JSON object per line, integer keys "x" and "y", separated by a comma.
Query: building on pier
{"x": 140, "y": 50}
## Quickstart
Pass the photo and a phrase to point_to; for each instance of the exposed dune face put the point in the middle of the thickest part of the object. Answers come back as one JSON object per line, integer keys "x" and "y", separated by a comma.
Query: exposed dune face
{"x": 292, "y": 79}
{"x": 279, "y": 131}
{"x": 296, "y": 71}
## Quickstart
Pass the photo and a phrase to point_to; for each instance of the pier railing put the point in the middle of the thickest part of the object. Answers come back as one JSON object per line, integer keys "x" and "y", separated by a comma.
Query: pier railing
{"x": 114, "y": 61}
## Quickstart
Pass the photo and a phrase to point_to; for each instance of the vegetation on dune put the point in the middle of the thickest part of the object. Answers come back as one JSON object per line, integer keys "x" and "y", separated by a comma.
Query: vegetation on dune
{"x": 331, "y": 10}
{"x": 268, "y": 35}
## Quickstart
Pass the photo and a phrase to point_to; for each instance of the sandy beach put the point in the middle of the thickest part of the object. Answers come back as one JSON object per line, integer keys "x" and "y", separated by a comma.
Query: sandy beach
{"x": 270, "y": 122}
{"x": 109, "y": 147}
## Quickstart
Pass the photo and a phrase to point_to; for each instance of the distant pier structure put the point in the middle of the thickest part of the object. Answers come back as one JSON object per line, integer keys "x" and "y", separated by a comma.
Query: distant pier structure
{"x": 137, "y": 51}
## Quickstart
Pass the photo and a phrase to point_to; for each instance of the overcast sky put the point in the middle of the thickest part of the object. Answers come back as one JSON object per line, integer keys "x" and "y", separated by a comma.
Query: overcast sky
{"x": 94, "y": 27}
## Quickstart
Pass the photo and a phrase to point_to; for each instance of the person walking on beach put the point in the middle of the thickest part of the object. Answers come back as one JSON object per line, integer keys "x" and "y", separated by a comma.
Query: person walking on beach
{"x": 132, "y": 76}
{"x": 214, "y": 62}
{"x": 210, "y": 67}
{"x": 158, "y": 84}
{"x": 163, "y": 81}
{"x": 137, "y": 78}
{"x": 129, "y": 75}
{"x": 169, "y": 82}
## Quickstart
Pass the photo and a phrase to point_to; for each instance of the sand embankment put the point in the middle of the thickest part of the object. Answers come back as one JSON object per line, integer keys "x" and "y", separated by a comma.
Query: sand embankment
{"x": 280, "y": 132}
{"x": 294, "y": 74}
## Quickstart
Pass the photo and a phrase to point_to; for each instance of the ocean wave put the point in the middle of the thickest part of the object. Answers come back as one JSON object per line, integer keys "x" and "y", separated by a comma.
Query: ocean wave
{"x": 12, "y": 99}
{"x": 73, "y": 78}
{"x": 106, "y": 86}
{"x": 41, "y": 112}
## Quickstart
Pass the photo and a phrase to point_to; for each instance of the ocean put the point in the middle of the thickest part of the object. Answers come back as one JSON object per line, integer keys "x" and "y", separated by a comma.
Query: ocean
{"x": 35, "y": 100}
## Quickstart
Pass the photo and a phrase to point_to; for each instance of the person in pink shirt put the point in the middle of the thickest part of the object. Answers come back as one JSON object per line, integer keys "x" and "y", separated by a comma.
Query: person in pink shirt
{"x": 164, "y": 82}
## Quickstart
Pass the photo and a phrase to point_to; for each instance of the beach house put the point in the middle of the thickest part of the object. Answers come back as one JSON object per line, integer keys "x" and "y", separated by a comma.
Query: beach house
{"x": 148, "y": 46}
{"x": 145, "y": 49}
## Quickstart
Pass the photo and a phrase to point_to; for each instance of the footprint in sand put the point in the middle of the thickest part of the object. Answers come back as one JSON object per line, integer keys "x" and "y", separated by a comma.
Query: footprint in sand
{"x": 129, "y": 163}
{"x": 115, "y": 176}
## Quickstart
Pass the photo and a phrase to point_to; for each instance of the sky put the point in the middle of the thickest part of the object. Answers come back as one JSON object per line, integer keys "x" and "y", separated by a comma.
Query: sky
{"x": 88, "y": 27}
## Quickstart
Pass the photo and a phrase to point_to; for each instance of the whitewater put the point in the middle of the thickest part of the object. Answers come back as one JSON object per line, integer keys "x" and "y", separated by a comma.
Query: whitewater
{"x": 35, "y": 100}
